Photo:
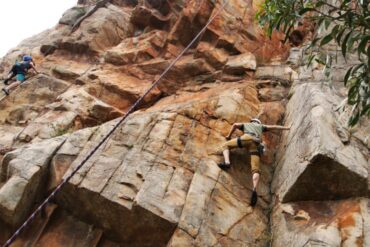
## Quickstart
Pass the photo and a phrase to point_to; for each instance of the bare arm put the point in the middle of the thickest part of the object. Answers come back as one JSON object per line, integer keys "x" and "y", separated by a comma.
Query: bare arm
{"x": 233, "y": 128}
{"x": 277, "y": 127}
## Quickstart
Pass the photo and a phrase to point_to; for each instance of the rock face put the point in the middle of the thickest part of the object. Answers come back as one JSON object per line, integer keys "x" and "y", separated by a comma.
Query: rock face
{"x": 326, "y": 223}
{"x": 155, "y": 181}
{"x": 319, "y": 161}
{"x": 24, "y": 171}
{"x": 164, "y": 148}
{"x": 321, "y": 154}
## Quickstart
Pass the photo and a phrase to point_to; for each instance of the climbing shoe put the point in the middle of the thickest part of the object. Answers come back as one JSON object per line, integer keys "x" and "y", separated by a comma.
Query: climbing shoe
{"x": 224, "y": 166}
{"x": 5, "y": 91}
{"x": 254, "y": 198}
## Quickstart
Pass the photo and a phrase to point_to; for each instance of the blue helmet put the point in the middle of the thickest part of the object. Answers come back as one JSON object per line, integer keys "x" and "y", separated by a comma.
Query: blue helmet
{"x": 27, "y": 58}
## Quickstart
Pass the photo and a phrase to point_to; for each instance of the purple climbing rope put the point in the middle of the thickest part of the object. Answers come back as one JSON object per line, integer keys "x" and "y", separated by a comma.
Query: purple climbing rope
{"x": 132, "y": 108}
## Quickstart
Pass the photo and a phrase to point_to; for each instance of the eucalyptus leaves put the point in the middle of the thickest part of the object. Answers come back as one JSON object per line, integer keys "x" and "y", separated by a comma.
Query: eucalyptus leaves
{"x": 346, "y": 23}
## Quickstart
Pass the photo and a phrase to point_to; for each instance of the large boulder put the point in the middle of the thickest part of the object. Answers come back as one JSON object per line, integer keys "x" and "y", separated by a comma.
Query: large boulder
{"x": 314, "y": 164}
{"x": 103, "y": 29}
{"x": 72, "y": 15}
{"x": 23, "y": 174}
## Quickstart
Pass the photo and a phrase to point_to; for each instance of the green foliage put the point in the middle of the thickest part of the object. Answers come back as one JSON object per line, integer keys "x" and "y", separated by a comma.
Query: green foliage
{"x": 346, "y": 23}
{"x": 59, "y": 130}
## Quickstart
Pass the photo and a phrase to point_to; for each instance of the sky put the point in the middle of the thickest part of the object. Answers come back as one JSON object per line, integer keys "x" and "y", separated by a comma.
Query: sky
{"x": 24, "y": 18}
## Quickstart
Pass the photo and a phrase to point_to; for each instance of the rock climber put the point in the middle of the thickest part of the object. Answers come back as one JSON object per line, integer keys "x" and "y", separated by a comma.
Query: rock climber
{"x": 19, "y": 70}
{"x": 251, "y": 140}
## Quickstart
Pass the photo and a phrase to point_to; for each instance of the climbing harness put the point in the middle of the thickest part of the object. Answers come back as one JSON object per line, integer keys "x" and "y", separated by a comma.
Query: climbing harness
{"x": 255, "y": 153}
{"x": 260, "y": 146}
{"x": 252, "y": 134}
{"x": 91, "y": 153}
{"x": 261, "y": 149}
{"x": 239, "y": 141}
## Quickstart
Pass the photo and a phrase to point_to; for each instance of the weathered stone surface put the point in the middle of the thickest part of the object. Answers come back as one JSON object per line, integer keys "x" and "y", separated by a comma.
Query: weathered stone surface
{"x": 181, "y": 239}
{"x": 246, "y": 35}
{"x": 48, "y": 125}
{"x": 226, "y": 222}
{"x": 225, "y": 102}
{"x": 37, "y": 92}
{"x": 280, "y": 73}
{"x": 91, "y": 110}
{"x": 196, "y": 205}
{"x": 8, "y": 135}
{"x": 64, "y": 74}
{"x": 239, "y": 64}
{"x": 172, "y": 192}
{"x": 30, "y": 236}
{"x": 137, "y": 49}
{"x": 103, "y": 29}
{"x": 295, "y": 57}
{"x": 146, "y": 15}
{"x": 272, "y": 94}
{"x": 329, "y": 223}
{"x": 22, "y": 114}
{"x": 214, "y": 56}
{"x": 71, "y": 16}
{"x": 316, "y": 165}
{"x": 66, "y": 154}
{"x": 165, "y": 148}
{"x": 24, "y": 172}
{"x": 58, "y": 232}
{"x": 117, "y": 88}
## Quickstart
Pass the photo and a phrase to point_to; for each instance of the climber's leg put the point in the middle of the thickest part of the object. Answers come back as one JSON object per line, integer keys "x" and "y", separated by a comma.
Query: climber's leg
{"x": 256, "y": 178}
{"x": 255, "y": 164}
{"x": 8, "y": 78}
{"x": 242, "y": 141}
{"x": 226, "y": 154}
{"x": 20, "y": 78}
{"x": 13, "y": 85}
{"x": 233, "y": 143}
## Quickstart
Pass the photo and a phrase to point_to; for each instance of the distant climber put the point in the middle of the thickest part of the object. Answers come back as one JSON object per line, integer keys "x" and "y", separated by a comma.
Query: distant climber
{"x": 19, "y": 70}
{"x": 251, "y": 140}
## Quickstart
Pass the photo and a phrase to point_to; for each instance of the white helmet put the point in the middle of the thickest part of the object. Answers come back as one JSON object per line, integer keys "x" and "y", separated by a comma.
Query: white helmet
{"x": 256, "y": 120}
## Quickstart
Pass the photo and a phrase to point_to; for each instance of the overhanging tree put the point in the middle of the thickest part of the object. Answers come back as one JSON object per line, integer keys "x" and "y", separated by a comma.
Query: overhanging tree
{"x": 346, "y": 22}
